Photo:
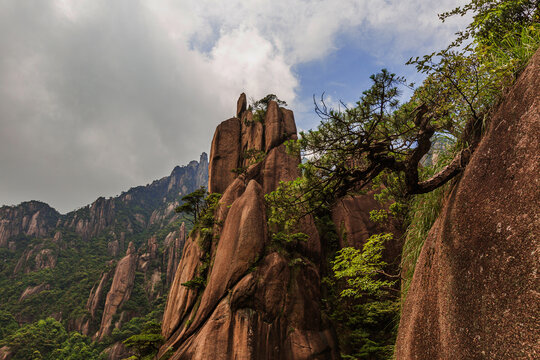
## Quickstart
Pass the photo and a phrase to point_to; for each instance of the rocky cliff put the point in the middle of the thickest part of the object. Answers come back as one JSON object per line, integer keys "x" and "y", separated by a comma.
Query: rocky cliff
{"x": 474, "y": 294}
{"x": 74, "y": 267}
{"x": 32, "y": 218}
{"x": 255, "y": 303}
{"x": 133, "y": 211}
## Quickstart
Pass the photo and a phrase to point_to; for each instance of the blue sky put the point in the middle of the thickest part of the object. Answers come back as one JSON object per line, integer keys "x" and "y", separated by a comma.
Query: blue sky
{"x": 97, "y": 96}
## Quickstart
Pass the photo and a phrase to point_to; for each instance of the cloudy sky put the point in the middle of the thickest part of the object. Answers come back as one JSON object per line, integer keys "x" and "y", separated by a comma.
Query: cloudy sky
{"x": 97, "y": 96}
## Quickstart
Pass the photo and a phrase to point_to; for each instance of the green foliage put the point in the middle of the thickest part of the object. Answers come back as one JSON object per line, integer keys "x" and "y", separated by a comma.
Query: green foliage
{"x": 378, "y": 216}
{"x": 283, "y": 202}
{"x": 196, "y": 283}
{"x": 493, "y": 20}
{"x": 36, "y": 340}
{"x": 147, "y": 343}
{"x": 249, "y": 157}
{"x": 193, "y": 204}
{"x": 363, "y": 269}
{"x": 8, "y": 324}
{"x": 423, "y": 210}
{"x": 260, "y": 106}
{"x": 77, "y": 347}
{"x": 366, "y": 330}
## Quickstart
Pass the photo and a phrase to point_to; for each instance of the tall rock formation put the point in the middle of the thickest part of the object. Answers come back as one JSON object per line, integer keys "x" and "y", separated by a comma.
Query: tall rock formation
{"x": 351, "y": 216}
{"x": 120, "y": 290}
{"x": 135, "y": 210}
{"x": 31, "y": 218}
{"x": 255, "y": 303}
{"x": 174, "y": 244}
{"x": 475, "y": 291}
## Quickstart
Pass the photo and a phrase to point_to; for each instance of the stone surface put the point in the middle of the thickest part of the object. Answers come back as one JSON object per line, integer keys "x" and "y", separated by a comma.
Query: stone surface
{"x": 33, "y": 290}
{"x": 241, "y": 105}
{"x": 117, "y": 351}
{"x": 96, "y": 294}
{"x": 181, "y": 299}
{"x": 351, "y": 218}
{"x": 278, "y": 166}
{"x": 174, "y": 245}
{"x": 474, "y": 294}
{"x": 5, "y": 353}
{"x": 120, "y": 290}
{"x": 274, "y": 132}
{"x": 224, "y": 155}
{"x": 32, "y": 218}
{"x": 255, "y": 305}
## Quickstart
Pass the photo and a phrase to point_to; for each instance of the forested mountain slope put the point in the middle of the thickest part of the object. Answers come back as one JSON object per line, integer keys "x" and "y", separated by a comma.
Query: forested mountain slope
{"x": 97, "y": 267}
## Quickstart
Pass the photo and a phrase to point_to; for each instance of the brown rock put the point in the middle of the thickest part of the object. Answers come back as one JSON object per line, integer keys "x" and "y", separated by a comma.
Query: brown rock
{"x": 289, "y": 125}
{"x": 253, "y": 306}
{"x": 32, "y": 218}
{"x": 120, "y": 291}
{"x": 252, "y": 137}
{"x": 278, "y": 166}
{"x": 224, "y": 155}
{"x": 181, "y": 299}
{"x": 354, "y": 226}
{"x": 242, "y": 239}
{"x": 474, "y": 294}
{"x": 5, "y": 353}
{"x": 33, "y": 290}
{"x": 152, "y": 247}
{"x": 96, "y": 295}
{"x": 241, "y": 105}
{"x": 174, "y": 243}
{"x": 117, "y": 352}
{"x": 45, "y": 259}
{"x": 274, "y": 132}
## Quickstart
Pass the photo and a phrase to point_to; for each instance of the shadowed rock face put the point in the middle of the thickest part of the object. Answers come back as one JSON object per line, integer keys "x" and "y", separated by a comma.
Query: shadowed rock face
{"x": 354, "y": 226}
{"x": 474, "y": 294}
{"x": 254, "y": 305}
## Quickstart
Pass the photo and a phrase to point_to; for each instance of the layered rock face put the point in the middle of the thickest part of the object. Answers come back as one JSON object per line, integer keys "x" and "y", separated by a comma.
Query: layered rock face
{"x": 120, "y": 290}
{"x": 158, "y": 200}
{"x": 32, "y": 218}
{"x": 354, "y": 226}
{"x": 474, "y": 294}
{"x": 255, "y": 305}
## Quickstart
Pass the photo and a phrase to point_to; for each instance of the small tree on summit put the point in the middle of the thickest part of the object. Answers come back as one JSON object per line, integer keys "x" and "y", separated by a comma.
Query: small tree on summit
{"x": 193, "y": 204}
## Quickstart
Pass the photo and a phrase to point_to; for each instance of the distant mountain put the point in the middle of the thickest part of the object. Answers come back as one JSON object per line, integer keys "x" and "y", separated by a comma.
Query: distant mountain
{"x": 97, "y": 267}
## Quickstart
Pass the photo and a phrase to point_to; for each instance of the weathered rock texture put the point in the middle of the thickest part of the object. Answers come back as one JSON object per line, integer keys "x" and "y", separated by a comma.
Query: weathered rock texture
{"x": 474, "y": 294}
{"x": 33, "y": 290}
{"x": 37, "y": 219}
{"x": 120, "y": 290}
{"x": 354, "y": 226}
{"x": 32, "y": 218}
{"x": 255, "y": 305}
{"x": 174, "y": 244}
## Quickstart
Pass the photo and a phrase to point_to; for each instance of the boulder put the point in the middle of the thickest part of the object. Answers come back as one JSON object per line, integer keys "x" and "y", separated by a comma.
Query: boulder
{"x": 474, "y": 294}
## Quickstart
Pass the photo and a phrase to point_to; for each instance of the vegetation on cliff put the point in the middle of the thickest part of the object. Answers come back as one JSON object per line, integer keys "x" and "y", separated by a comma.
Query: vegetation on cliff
{"x": 383, "y": 145}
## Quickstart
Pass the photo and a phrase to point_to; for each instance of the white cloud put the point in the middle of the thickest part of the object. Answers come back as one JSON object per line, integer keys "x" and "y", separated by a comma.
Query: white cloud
{"x": 100, "y": 95}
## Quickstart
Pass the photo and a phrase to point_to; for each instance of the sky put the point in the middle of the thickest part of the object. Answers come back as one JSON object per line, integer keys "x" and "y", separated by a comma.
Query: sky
{"x": 97, "y": 96}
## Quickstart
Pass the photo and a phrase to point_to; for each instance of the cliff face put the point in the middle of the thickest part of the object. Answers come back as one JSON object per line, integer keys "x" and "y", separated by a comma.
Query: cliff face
{"x": 133, "y": 211}
{"x": 474, "y": 294}
{"x": 90, "y": 284}
{"x": 120, "y": 290}
{"x": 255, "y": 305}
{"x": 32, "y": 218}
